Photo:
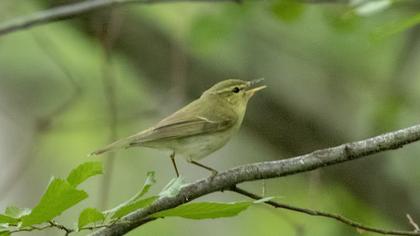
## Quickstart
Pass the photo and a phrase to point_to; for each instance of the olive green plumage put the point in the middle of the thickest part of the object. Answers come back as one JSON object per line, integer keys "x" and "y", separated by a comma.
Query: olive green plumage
{"x": 201, "y": 127}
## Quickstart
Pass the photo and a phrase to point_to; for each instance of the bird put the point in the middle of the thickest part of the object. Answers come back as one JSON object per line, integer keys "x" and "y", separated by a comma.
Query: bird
{"x": 199, "y": 128}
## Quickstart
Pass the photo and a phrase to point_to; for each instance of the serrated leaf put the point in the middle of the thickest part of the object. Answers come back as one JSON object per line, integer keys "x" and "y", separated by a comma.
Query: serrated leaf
{"x": 90, "y": 215}
{"x": 83, "y": 172}
{"x": 173, "y": 187}
{"x": 205, "y": 210}
{"x": 8, "y": 220}
{"x": 16, "y": 212}
{"x": 132, "y": 206}
{"x": 135, "y": 202}
{"x": 150, "y": 180}
{"x": 59, "y": 196}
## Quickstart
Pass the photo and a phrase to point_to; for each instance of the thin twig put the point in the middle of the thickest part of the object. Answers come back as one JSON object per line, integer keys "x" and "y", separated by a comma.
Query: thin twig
{"x": 95, "y": 227}
{"x": 312, "y": 212}
{"x": 32, "y": 228}
{"x": 61, "y": 227}
{"x": 67, "y": 230}
{"x": 270, "y": 169}
{"x": 413, "y": 223}
{"x": 51, "y": 224}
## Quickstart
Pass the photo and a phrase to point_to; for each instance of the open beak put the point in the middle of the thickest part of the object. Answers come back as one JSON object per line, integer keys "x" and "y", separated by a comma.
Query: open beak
{"x": 252, "y": 89}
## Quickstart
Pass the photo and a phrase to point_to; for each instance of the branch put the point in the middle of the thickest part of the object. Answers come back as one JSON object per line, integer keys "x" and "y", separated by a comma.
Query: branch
{"x": 264, "y": 170}
{"x": 413, "y": 223}
{"x": 51, "y": 224}
{"x": 72, "y": 10}
{"x": 340, "y": 218}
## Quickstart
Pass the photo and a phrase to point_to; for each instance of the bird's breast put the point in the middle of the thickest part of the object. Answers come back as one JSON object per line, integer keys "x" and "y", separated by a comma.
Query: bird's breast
{"x": 198, "y": 147}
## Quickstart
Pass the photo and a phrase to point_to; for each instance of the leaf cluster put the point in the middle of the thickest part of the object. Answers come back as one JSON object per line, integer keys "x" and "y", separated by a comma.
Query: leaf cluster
{"x": 62, "y": 194}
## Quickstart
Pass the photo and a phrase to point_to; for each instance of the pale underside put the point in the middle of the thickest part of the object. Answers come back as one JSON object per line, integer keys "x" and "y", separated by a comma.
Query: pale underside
{"x": 195, "y": 147}
{"x": 192, "y": 132}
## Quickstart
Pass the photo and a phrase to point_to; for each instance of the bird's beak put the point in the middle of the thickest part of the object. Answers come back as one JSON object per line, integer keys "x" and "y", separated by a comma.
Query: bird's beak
{"x": 252, "y": 89}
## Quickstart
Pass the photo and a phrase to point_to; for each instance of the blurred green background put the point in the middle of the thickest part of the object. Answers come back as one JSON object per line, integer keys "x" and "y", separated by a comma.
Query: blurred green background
{"x": 335, "y": 73}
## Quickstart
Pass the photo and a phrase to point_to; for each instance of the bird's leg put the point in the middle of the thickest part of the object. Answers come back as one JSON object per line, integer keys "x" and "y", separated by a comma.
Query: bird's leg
{"x": 174, "y": 163}
{"x": 213, "y": 171}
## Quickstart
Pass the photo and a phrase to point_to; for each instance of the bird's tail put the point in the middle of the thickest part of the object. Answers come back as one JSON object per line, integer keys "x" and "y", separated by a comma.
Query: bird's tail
{"x": 123, "y": 143}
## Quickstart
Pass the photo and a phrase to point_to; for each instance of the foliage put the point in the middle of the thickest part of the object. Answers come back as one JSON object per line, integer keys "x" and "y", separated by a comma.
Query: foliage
{"x": 205, "y": 210}
{"x": 62, "y": 194}
{"x": 89, "y": 215}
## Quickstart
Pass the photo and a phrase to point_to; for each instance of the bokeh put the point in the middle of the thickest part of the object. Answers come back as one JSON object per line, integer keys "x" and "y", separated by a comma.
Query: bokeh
{"x": 336, "y": 72}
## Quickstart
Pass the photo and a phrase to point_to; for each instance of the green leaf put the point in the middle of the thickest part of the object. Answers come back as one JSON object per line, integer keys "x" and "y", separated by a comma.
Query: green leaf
{"x": 5, "y": 233}
{"x": 59, "y": 196}
{"x": 396, "y": 27}
{"x": 173, "y": 187}
{"x": 4, "y": 230}
{"x": 16, "y": 212}
{"x": 135, "y": 202}
{"x": 83, "y": 172}
{"x": 90, "y": 215}
{"x": 8, "y": 220}
{"x": 205, "y": 210}
{"x": 13, "y": 214}
{"x": 126, "y": 209}
{"x": 150, "y": 180}
{"x": 287, "y": 10}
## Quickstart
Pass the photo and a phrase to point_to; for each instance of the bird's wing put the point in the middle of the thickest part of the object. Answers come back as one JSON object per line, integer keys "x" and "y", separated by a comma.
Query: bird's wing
{"x": 182, "y": 128}
{"x": 191, "y": 120}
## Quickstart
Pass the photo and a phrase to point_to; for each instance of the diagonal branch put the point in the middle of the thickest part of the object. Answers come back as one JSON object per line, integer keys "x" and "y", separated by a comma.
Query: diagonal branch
{"x": 72, "y": 10}
{"x": 312, "y": 212}
{"x": 264, "y": 170}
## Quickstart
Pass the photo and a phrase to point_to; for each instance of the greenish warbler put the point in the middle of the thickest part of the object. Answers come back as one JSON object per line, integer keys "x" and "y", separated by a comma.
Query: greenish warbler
{"x": 201, "y": 127}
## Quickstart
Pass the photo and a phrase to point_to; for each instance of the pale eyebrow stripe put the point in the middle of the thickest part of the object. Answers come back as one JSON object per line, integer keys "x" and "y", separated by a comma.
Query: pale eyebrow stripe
{"x": 230, "y": 88}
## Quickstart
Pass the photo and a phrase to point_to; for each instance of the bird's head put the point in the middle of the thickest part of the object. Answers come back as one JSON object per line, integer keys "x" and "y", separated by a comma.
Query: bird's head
{"x": 234, "y": 92}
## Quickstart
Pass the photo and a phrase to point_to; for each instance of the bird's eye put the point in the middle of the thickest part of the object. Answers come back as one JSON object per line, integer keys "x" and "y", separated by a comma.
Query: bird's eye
{"x": 236, "y": 90}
